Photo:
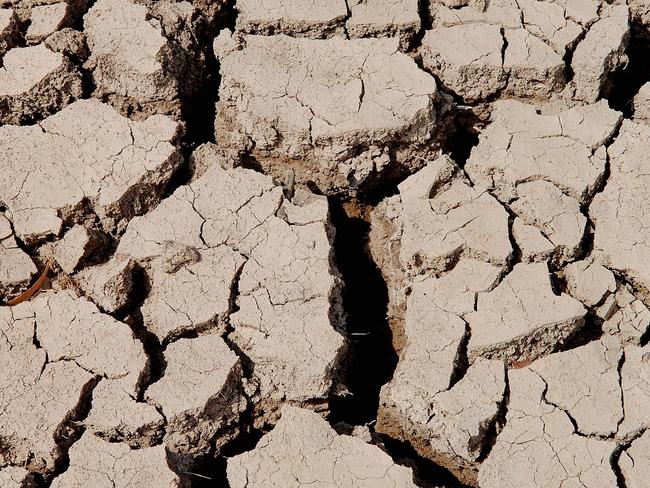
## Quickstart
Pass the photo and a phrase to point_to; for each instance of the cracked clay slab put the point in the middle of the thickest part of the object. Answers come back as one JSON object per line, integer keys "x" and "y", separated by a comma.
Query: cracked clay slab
{"x": 619, "y": 212}
{"x": 434, "y": 332}
{"x": 321, "y": 18}
{"x": 522, "y": 317}
{"x": 589, "y": 282}
{"x": 441, "y": 217}
{"x": 132, "y": 62}
{"x": 51, "y": 391}
{"x": 287, "y": 288}
{"x": 75, "y": 335}
{"x": 584, "y": 382}
{"x": 36, "y": 82}
{"x": 523, "y": 48}
{"x": 512, "y": 48}
{"x": 522, "y": 145}
{"x": 100, "y": 464}
{"x": 635, "y": 384}
{"x": 194, "y": 296}
{"x": 630, "y": 319}
{"x": 45, "y": 20}
{"x": 532, "y": 244}
{"x": 73, "y": 329}
{"x": 321, "y": 101}
{"x": 303, "y": 449}
{"x": 384, "y": 18}
{"x": 445, "y": 423}
{"x": 558, "y": 216}
{"x": 326, "y": 18}
{"x": 76, "y": 247}
{"x": 16, "y": 267}
{"x": 109, "y": 285}
{"x": 195, "y": 308}
{"x": 539, "y": 447}
{"x": 567, "y": 411}
{"x": 600, "y": 53}
{"x": 199, "y": 394}
{"x": 85, "y": 155}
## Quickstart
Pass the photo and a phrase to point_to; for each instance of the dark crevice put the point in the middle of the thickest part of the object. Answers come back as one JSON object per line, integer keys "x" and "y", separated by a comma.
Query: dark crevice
{"x": 614, "y": 462}
{"x": 181, "y": 176}
{"x": 344, "y": 22}
{"x": 426, "y": 24}
{"x": 465, "y": 127}
{"x": 497, "y": 425}
{"x": 616, "y": 456}
{"x": 504, "y": 46}
{"x": 619, "y": 372}
{"x": 153, "y": 349}
{"x": 645, "y": 338}
{"x": 461, "y": 364}
{"x": 198, "y": 108}
{"x": 592, "y": 330}
{"x": 516, "y": 256}
{"x": 587, "y": 243}
{"x": 229, "y": 15}
{"x": 210, "y": 471}
{"x": 426, "y": 474}
{"x": 71, "y": 430}
{"x": 371, "y": 359}
{"x": 568, "y": 56}
{"x": 369, "y": 197}
{"x": 155, "y": 355}
{"x": 625, "y": 83}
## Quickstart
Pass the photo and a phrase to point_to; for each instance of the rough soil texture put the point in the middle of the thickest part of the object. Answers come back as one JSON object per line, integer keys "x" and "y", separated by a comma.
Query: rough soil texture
{"x": 303, "y": 449}
{"x": 346, "y": 243}
{"x": 335, "y": 111}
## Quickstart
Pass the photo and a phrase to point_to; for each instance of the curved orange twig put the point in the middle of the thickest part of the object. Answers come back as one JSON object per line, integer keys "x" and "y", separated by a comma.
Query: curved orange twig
{"x": 31, "y": 291}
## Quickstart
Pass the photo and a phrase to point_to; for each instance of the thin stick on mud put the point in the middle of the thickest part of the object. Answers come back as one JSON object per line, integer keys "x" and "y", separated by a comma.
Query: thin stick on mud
{"x": 32, "y": 290}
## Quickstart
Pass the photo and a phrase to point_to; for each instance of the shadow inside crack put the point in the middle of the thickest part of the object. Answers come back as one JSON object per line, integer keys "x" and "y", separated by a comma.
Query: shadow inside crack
{"x": 625, "y": 83}
{"x": 372, "y": 359}
{"x": 426, "y": 474}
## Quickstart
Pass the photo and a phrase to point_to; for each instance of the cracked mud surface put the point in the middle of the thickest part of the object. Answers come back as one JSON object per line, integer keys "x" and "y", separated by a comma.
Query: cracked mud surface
{"x": 347, "y": 243}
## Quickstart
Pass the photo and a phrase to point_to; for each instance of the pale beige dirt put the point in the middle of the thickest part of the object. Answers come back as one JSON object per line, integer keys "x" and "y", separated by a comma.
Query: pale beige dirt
{"x": 335, "y": 244}
{"x": 304, "y": 449}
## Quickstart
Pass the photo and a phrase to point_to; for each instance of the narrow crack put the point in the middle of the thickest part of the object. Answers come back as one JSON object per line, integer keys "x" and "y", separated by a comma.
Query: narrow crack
{"x": 426, "y": 473}
{"x": 71, "y": 429}
{"x": 587, "y": 243}
{"x": 498, "y": 423}
{"x": 212, "y": 471}
{"x": 619, "y": 371}
{"x": 372, "y": 358}
{"x": 616, "y": 456}
{"x": 636, "y": 73}
{"x": 425, "y": 24}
